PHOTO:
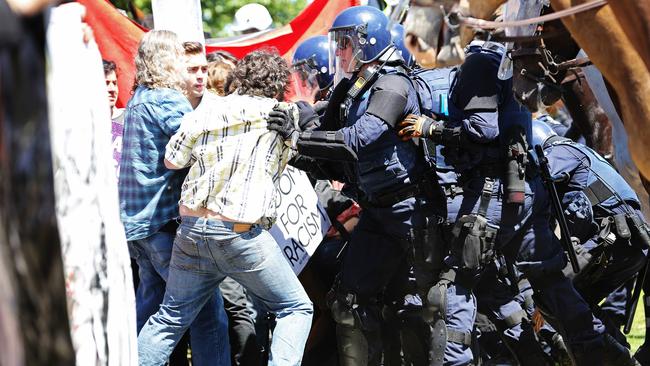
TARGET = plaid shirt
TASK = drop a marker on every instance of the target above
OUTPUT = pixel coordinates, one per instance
(235, 161)
(148, 191)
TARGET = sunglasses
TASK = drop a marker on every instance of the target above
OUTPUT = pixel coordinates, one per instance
(343, 42)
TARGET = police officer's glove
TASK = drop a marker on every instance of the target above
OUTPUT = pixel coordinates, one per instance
(281, 121)
(416, 126)
(307, 116)
(321, 106)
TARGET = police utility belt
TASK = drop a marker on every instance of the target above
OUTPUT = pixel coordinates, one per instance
(420, 189)
(615, 226)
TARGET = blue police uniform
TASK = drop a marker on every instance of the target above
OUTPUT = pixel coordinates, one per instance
(592, 195)
(483, 108)
(377, 248)
(495, 298)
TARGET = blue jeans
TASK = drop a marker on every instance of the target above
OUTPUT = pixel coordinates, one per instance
(206, 251)
(209, 334)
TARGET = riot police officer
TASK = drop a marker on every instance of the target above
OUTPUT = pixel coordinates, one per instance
(499, 206)
(372, 94)
(604, 215)
(310, 69)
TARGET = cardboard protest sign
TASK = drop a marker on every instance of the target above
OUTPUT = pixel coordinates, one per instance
(301, 221)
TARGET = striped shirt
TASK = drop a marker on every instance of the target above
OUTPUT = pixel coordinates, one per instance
(235, 162)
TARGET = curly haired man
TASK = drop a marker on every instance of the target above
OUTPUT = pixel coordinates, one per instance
(227, 201)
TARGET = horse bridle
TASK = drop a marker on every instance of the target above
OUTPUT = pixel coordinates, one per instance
(550, 68)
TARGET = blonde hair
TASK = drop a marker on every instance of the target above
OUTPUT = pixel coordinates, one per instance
(158, 62)
(218, 72)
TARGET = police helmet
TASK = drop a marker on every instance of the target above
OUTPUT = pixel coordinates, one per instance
(397, 34)
(541, 132)
(359, 35)
(311, 60)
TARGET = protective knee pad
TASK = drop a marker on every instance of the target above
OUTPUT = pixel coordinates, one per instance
(352, 346)
(437, 300)
(438, 342)
(436, 307)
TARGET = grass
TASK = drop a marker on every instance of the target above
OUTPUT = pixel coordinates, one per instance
(637, 334)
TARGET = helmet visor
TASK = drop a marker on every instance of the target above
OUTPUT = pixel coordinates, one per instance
(344, 53)
(305, 82)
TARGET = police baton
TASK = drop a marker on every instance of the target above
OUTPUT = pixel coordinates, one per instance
(642, 234)
(630, 307)
(549, 182)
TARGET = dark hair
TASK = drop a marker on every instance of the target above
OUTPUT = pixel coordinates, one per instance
(260, 73)
(221, 55)
(193, 48)
(109, 66)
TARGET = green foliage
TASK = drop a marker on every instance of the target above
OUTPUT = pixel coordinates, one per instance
(219, 13)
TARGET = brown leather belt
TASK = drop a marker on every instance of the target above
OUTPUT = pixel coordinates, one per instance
(239, 227)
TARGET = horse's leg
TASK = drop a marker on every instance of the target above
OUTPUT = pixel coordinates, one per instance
(589, 117)
(602, 37)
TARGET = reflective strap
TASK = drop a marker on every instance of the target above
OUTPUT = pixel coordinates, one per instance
(455, 336)
(647, 323)
(515, 318)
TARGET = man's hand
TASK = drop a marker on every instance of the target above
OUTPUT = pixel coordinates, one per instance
(416, 126)
(281, 121)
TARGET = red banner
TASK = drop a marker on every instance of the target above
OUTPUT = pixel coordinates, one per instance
(117, 36)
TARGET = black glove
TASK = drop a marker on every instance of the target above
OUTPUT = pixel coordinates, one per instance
(307, 117)
(321, 106)
(281, 121)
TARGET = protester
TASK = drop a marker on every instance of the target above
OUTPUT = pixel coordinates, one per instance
(117, 114)
(218, 72)
(243, 341)
(149, 192)
(227, 198)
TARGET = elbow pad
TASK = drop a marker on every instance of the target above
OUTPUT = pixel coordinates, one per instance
(389, 98)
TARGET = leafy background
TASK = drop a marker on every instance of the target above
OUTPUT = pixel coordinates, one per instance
(217, 14)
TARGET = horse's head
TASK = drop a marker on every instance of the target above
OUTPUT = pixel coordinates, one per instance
(429, 38)
(538, 69)
(433, 37)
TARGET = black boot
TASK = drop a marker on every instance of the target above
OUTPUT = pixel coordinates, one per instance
(605, 351)
(642, 355)
(616, 354)
(527, 348)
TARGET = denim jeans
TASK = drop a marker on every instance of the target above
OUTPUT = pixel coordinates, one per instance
(206, 251)
(209, 333)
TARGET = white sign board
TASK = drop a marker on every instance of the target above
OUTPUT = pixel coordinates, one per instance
(301, 221)
(182, 17)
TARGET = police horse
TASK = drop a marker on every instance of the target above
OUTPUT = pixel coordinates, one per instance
(618, 49)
